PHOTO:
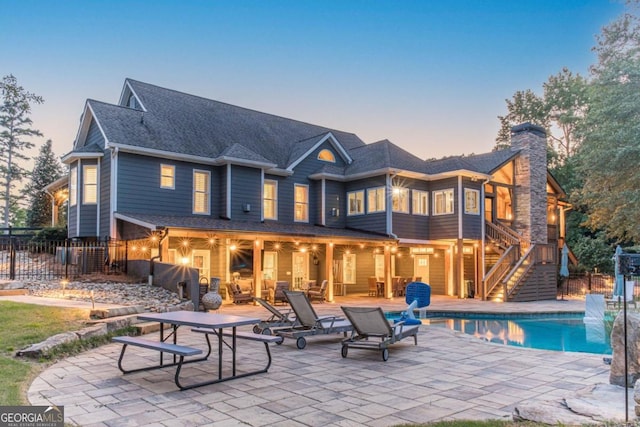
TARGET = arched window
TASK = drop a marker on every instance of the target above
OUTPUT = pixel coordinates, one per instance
(326, 156)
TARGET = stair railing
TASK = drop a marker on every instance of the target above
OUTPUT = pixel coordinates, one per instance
(501, 267)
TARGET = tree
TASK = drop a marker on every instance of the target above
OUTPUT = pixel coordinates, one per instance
(524, 106)
(47, 169)
(565, 96)
(609, 156)
(15, 132)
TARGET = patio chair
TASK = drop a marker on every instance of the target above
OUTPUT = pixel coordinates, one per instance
(373, 286)
(278, 319)
(308, 322)
(318, 292)
(372, 330)
(238, 296)
(278, 293)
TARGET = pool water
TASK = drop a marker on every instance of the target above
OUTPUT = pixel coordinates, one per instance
(560, 333)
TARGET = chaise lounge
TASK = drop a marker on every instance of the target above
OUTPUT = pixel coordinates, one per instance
(372, 330)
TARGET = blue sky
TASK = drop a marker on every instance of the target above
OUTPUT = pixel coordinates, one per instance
(430, 76)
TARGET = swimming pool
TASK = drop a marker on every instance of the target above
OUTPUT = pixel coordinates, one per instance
(558, 332)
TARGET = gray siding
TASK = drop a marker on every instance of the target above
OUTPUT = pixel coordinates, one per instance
(245, 189)
(411, 226)
(94, 136)
(72, 212)
(472, 224)
(88, 213)
(105, 192)
(334, 199)
(375, 222)
(444, 226)
(139, 186)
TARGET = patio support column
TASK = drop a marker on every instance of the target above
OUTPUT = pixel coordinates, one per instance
(328, 267)
(460, 269)
(257, 268)
(387, 272)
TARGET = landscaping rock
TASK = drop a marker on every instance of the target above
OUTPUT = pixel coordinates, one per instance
(597, 405)
(616, 375)
(11, 285)
(43, 348)
(92, 331)
(152, 298)
(116, 312)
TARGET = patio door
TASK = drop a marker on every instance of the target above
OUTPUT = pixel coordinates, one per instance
(421, 267)
(300, 261)
(270, 265)
(201, 260)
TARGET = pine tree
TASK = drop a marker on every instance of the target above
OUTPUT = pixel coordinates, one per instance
(47, 169)
(15, 131)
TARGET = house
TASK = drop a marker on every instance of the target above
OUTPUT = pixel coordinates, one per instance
(236, 192)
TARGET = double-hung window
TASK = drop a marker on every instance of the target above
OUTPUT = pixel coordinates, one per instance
(201, 191)
(301, 202)
(73, 186)
(168, 177)
(89, 185)
(375, 200)
(270, 199)
(443, 202)
(355, 202)
(420, 202)
(471, 201)
(400, 199)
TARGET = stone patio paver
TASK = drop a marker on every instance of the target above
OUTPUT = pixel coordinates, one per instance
(447, 376)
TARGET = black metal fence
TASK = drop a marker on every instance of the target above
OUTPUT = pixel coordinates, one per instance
(23, 258)
(590, 283)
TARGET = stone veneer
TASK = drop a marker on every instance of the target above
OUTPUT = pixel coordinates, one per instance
(530, 194)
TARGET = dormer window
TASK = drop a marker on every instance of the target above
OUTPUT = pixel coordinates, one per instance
(132, 102)
(327, 156)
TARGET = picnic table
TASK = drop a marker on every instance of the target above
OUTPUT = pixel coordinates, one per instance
(222, 326)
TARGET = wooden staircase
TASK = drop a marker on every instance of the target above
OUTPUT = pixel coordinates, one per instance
(524, 272)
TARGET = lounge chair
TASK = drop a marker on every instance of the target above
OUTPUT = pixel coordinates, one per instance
(278, 319)
(318, 292)
(372, 331)
(308, 322)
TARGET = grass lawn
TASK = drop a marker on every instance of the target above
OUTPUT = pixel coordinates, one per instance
(24, 324)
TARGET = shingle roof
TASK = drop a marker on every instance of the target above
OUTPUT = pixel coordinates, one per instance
(381, 155)
(188, 124)
(202, 223)
(482, 163)
(183, 123)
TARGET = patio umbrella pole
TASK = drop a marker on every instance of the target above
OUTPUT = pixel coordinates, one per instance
(626, 365)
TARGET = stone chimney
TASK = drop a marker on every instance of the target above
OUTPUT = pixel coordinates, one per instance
(530, 214)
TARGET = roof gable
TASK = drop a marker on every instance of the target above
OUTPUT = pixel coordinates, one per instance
(303, 149)
(181, 123)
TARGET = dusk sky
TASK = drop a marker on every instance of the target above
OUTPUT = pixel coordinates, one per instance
(430, 76)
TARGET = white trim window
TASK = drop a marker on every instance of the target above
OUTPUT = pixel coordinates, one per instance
(471, 201)
(270, 199)
(375, 199)
(327, 155)
(89, 184)
(301, 203)
(420, 202)
(73, 186)
(355, 202)
(400, 199)
(443, 202)
(201, 192)
(168, 177)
